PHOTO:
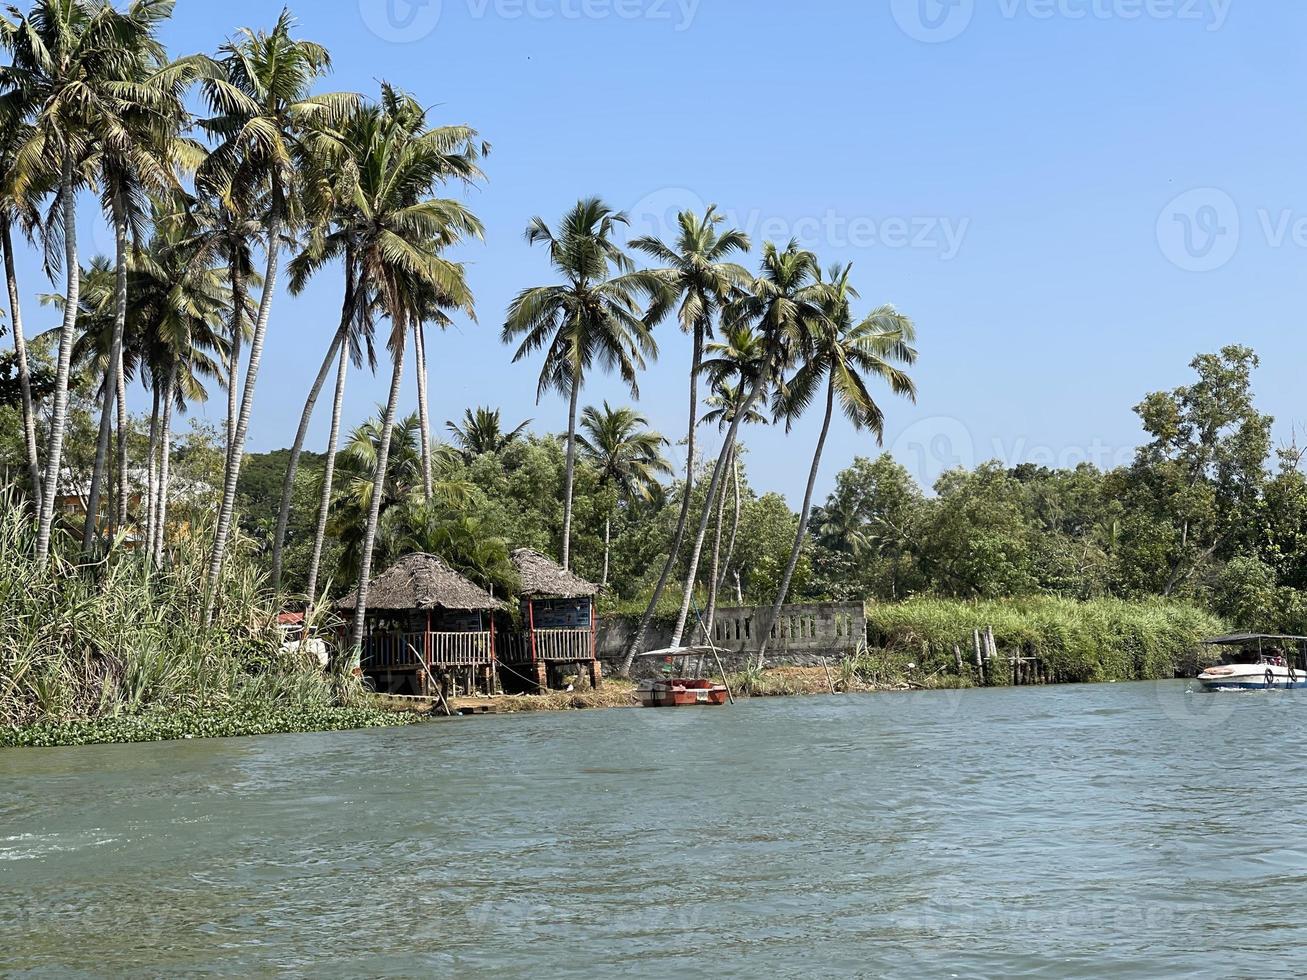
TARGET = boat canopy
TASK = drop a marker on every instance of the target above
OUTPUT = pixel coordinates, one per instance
(1247, 639)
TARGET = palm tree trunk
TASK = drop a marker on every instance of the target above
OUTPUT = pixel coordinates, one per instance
(735, 529)
(124, 482)
(682, 522)
(424, 419)
(228, 507)
(710, 615)
(152, 471)
(570, 473)
(234, 353)
(165, 459)
(24, 370)
(764, 636)
(110, 391)
(324, 506)
(59, 412)
(727, 448)
(297, 448)
(608, 540)
(378, 491)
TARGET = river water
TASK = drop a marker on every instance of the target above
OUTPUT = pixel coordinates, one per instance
(1122, 830)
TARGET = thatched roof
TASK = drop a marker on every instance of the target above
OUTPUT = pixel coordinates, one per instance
(542, 577)
(424, 582)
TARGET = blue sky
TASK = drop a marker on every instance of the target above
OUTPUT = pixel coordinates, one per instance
(1070, 197)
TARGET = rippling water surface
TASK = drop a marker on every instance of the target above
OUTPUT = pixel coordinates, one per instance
(1127, 830)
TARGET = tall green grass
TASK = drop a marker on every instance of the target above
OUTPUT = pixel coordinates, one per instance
(1079, 642)
(85, 642)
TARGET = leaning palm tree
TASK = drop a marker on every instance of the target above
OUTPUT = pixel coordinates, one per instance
(731, 366)
(71, 69)
(698, 277)
(482, 433)
(592, 315)
(780, 303)
(336, 225)
(402, 231)
(843, 356)
(628, 457)
(258, 92)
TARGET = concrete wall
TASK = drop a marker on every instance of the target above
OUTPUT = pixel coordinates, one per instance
(805, 632)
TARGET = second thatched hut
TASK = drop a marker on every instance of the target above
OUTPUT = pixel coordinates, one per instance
(558, 624)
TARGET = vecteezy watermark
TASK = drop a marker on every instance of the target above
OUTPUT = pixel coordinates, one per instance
(655, 215)
(936, 21)
(401, 21)
(1201, 230)
(1198, 231)
(931, 447)
(406, 21)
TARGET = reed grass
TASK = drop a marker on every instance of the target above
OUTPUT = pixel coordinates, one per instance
(1078, 642)
(82, 644)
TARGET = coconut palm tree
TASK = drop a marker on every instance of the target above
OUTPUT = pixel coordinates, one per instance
(179, 312)
(626, 454)
(450, 153)
(844, 356)
(731, 367)
(401, 232)
(482, 432)
(258, 90)
(593, 315)
(780, 303)
(697, 276)
(216, 232)
(139, 152)
(23, 214)
(73, 61)
(401, 492)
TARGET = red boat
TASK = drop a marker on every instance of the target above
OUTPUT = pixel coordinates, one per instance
(679, 692)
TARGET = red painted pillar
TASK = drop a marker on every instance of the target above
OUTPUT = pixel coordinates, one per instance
(531, 626)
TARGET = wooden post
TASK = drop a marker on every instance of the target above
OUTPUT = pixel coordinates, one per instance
(825, 662)
(531, 626)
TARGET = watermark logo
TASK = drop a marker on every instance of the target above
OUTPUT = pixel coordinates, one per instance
(656, 215)
(406, 21)
(933, 21)
(401, 21)
(936, 21)
(931, 447)
(1199, 230)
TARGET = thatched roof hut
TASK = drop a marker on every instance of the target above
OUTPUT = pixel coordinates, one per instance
(419, 582)
(542, 577)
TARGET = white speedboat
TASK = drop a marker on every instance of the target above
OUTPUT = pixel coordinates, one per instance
(1252, 677)
(1258, 663)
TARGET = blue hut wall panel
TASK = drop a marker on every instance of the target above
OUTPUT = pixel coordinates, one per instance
(562, 614)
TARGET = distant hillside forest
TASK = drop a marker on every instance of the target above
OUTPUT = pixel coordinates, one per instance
(1209, 511)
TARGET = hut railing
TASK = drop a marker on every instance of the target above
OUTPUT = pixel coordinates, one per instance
(564, 646)
(400, 650)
